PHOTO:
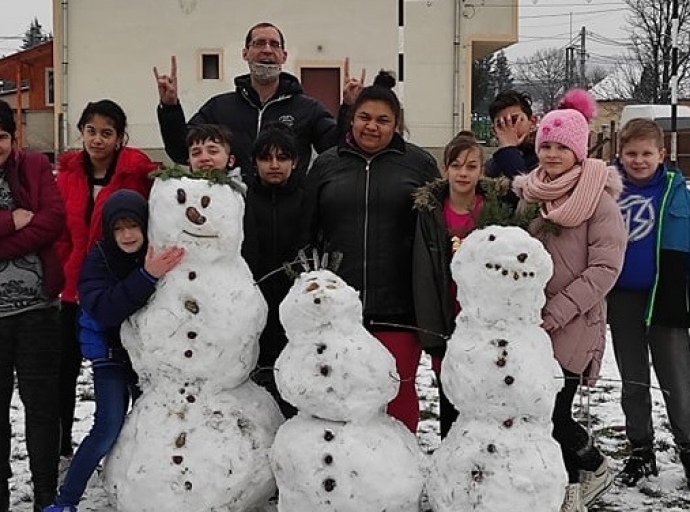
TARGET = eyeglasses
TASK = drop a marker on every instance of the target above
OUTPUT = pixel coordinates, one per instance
(261, 43)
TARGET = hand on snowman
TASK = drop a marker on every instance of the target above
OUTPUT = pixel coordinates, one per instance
(163, 262)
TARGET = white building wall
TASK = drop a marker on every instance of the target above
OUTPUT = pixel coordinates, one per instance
(112, 45)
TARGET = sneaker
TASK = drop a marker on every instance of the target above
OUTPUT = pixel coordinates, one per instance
(595, 483)
(640, 464)
(60, 508)
(573, 499)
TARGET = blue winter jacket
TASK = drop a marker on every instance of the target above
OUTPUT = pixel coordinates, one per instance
(668, 298)
(113, 284)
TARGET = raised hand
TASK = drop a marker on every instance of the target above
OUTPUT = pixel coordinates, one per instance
(506, 130)
(160, 264)
(167, 84)
(21, 218)
(352, 86)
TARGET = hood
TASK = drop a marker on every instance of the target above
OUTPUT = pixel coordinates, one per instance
(124, 204)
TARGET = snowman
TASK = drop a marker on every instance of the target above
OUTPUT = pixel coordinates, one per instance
(199, 436)
(500, 373)
(342, 452)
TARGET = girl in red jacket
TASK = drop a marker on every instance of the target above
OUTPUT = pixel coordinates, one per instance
(86, 178)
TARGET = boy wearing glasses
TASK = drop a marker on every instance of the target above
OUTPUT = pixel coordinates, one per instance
(265, 94)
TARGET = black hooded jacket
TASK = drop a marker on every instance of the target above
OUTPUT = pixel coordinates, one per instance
(113, 284)
(242, 112)
(272, 221)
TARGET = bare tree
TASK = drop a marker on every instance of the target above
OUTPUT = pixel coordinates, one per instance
(649, 23)
(543, 75)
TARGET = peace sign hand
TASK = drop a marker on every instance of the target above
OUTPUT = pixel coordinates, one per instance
(351, 86)
(167, 84)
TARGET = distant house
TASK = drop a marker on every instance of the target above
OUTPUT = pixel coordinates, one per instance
(27, 78)
(108, 51)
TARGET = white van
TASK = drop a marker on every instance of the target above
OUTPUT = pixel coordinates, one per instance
(659, 113)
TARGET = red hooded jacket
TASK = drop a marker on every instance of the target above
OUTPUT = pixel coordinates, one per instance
(131, 172)
(30, 177)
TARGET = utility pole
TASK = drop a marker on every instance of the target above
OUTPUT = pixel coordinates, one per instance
(674, 84)
(583, 55)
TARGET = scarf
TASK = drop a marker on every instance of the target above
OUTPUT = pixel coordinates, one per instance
(571, 198)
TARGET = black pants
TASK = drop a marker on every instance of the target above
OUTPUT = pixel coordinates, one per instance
(69, 372)
(578, 452)
(30, 346)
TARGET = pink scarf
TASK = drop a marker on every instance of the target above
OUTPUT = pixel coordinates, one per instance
(571, 198)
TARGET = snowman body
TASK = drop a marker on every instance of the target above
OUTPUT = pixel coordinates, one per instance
(199, 437)
(341, 452)
(500, 373)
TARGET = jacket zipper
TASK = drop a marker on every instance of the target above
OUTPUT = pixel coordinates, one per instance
(662, 212)
(366, 235)
(263, 109)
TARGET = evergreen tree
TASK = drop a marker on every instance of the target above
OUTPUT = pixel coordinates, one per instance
(503, 77)
(34, 35)
(483, 84)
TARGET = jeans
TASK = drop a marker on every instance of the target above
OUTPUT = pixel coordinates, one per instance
(113, 387)
(30, 346)
(670, 355)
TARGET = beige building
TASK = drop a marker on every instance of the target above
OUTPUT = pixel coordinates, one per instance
(107, 48)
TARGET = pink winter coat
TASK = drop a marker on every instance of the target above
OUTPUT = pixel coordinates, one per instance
(587, 260)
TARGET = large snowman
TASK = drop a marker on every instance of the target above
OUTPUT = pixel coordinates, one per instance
(342, 452)
(199, 437)
(500, 373)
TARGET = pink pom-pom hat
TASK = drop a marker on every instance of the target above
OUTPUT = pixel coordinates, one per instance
(569, 123)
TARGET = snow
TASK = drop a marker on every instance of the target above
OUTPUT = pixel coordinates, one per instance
(341, 453)
(663, 494)
(500, 373)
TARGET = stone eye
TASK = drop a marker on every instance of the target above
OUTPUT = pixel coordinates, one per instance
(181, 196)
(205, 201)
(492, 238)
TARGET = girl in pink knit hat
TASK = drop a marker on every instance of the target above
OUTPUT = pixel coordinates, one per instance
(581, 227)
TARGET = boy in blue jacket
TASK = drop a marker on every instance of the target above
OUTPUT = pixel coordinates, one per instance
(117, 278)
(648, 307)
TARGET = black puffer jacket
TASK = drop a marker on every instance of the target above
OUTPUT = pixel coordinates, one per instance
(431, 279)
(272, 220)
(362, 207)
(241, 111)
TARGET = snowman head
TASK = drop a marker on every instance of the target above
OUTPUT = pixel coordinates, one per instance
(204, 218)
(319, 298)
(501, 273)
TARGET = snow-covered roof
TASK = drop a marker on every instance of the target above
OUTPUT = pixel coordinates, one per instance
(619, 84)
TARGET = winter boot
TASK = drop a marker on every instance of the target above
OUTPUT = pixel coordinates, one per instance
(640, 464)
(573, 499)
(595, 483)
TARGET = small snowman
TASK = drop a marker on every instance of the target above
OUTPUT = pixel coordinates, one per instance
(500, 373)
(342, 452)
(199, 437)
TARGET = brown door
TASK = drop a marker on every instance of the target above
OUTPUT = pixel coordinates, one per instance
(323, 84)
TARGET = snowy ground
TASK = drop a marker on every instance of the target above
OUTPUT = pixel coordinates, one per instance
(666, 493)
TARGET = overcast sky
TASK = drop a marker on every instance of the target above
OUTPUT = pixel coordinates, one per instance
(543, 24)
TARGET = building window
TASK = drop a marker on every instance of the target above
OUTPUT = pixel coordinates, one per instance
(210, 66)
(49, 87)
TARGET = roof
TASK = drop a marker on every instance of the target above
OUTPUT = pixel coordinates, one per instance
(619, 85)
